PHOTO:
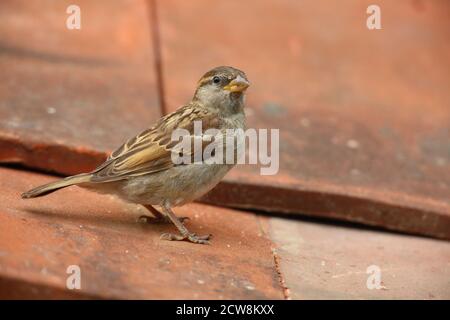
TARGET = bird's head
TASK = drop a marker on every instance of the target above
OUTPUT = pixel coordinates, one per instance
(223, 88)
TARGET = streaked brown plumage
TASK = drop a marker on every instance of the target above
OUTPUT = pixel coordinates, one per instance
(142, 171)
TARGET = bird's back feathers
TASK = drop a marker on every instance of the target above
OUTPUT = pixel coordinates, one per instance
(151, 151)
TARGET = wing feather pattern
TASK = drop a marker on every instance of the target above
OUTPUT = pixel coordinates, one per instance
(150, 151)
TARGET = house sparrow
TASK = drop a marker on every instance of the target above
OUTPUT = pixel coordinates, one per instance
(142, 171)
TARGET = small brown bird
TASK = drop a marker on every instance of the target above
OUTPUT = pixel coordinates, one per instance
(142, 170)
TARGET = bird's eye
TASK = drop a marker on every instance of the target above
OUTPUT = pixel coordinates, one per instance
(216, 79)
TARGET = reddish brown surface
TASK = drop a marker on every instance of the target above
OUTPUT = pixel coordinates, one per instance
(389, 210)
(364, 120)
(319, 261)
(120, 257)
(67, 96)
(364, 116)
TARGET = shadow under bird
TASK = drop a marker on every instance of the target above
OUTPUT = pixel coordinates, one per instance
(142, 171)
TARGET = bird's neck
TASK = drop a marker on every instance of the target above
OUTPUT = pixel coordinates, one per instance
(233, 104)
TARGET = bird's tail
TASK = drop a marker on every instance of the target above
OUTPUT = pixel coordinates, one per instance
(56, 185)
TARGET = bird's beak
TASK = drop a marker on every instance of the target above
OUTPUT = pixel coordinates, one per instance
(239, 84)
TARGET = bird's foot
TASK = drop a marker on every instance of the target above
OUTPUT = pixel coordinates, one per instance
(156, 220)
(191, 237)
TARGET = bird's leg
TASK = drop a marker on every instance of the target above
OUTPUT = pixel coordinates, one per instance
(156, 213)
(184, 233)
(158, 216)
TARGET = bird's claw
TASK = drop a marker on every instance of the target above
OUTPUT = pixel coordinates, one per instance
(191, 237)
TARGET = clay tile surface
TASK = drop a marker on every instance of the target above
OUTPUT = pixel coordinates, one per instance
(120, 257)
(364, 116)
(325, 261)
(69, 96)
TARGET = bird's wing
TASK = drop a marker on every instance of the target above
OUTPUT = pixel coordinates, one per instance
(151, 150)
